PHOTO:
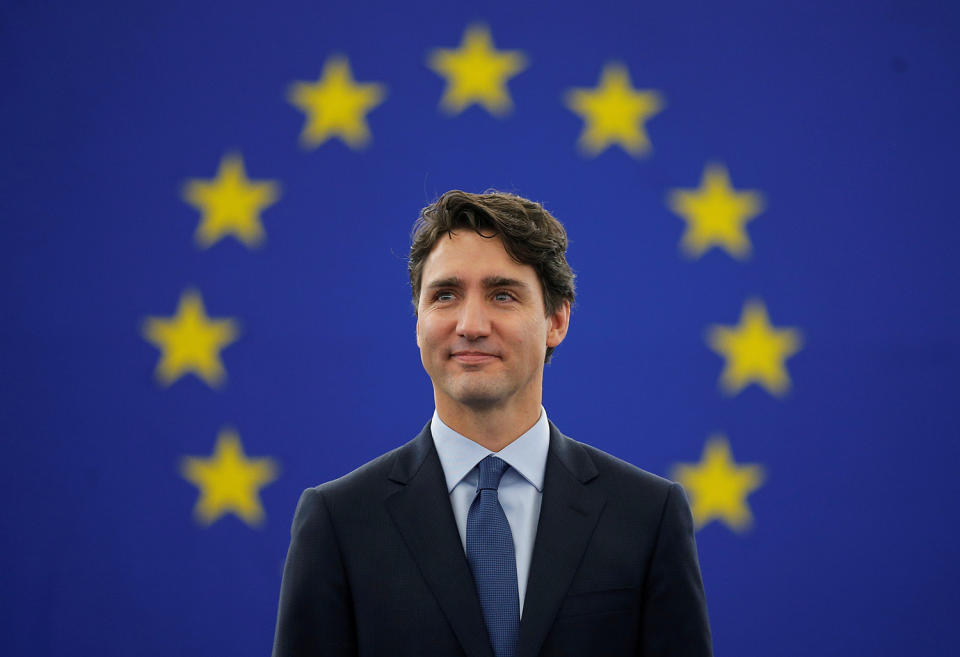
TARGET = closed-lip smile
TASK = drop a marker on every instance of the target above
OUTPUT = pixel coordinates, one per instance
(472, 356)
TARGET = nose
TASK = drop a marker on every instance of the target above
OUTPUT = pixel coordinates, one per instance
(473, 322)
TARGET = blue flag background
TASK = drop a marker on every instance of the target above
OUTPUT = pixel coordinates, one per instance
(147, 505)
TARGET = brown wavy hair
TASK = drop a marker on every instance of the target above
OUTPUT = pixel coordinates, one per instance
(530, 235)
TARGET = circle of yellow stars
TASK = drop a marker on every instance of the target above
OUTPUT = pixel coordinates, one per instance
(614, 114)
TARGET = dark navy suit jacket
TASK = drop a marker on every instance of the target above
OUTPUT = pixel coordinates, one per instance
(376, 565)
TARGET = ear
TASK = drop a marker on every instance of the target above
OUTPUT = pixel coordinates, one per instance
(418, 330)
(557, 324)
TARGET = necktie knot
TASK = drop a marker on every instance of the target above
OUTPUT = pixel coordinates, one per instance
(491, 471)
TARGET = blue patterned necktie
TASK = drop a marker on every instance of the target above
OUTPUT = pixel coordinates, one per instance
(491, 556)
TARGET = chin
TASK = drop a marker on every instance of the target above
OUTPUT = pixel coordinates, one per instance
(479, 397)
(480, 403)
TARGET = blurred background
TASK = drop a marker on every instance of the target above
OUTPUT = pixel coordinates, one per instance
(206, 211)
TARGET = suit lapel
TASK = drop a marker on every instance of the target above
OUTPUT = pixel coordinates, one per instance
(568, 514)
(421, 510)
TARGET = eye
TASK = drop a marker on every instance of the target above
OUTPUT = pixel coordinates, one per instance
(443, 295)
(504, 296)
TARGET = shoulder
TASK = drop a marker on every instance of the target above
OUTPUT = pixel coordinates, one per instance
(622, 483)
(621, 470)
(586, 462)
(370, 473)
(626, 476)
(378, 476)
(632, 497)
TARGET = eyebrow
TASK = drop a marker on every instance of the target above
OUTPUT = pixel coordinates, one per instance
(488, 282)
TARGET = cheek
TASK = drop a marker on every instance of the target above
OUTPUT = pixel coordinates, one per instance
(531, 336)
(431, 333)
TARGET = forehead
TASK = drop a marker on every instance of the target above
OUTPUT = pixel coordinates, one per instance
(466, 254)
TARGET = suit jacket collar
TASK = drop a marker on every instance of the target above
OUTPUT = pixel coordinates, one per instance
(568, 514)
(410, 457)
(421, 511)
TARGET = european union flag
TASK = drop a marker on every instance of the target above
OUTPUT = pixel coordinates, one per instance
(206, 212)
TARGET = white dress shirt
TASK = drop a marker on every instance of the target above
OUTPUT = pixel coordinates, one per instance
(521, 489)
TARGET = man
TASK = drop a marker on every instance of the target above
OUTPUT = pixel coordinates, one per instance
(491, 534)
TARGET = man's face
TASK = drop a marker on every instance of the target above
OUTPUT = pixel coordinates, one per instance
(481, 327)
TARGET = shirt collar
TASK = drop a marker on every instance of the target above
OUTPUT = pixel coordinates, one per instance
(459, 455)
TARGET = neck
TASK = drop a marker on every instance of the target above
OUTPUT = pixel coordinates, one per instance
(492, 427)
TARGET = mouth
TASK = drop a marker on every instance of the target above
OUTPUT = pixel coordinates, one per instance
(472, 357)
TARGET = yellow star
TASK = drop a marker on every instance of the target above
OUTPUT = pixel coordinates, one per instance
(614, 112)
(229, 482)
(755, 351)
(190, 341)
(230, 203)
(336, 105)
(715, 214)
(718, 487)
(476, 72)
